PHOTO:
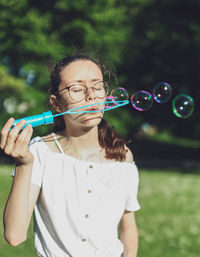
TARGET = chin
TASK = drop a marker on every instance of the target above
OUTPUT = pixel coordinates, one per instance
(92, 121)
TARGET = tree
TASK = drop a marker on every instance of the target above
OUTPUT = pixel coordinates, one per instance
(35, 34)
(164, 45)
(147, 41)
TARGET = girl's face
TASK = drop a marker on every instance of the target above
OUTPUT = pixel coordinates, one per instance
(75, 75)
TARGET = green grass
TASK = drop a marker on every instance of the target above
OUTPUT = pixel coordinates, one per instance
(168, 222)
(167, 138)
(26, 249)
(169, 219)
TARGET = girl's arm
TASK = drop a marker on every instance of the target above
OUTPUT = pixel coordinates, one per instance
(129, 234)
(23, 195)
(127, 226)
(19, 206)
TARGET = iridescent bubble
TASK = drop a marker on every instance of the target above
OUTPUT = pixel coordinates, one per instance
(162, 92)
(183, 106)
(119, 94)
(141, 100)
(110, 102)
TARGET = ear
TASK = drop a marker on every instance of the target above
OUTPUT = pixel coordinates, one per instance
(55, 103)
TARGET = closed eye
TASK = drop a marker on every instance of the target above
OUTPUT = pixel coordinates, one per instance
(77, 88)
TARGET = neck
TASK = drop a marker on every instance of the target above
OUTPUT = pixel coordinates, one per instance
(86, 138)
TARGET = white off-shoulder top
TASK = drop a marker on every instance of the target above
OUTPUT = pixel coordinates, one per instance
(80, 203)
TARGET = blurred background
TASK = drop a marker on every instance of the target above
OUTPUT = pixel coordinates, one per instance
(143, 42)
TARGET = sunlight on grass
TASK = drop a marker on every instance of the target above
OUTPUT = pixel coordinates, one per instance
(165, 137)
(168, 222)
(169, 219)
(27, 248)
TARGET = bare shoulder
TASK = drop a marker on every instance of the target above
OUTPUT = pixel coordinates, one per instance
(48, 138)
(52, 141)
(129, 155)
(49, 141)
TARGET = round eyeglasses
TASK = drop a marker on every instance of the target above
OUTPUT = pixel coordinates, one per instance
(78, 91)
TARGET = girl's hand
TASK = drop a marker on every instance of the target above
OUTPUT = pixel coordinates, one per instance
(15, 143)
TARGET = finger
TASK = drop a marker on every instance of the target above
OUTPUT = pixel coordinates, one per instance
(22, 141)
(18, 127)
(4, 132)
(25, 135)
(13, 134)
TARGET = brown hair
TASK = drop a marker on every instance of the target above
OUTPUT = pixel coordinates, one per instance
(109, 140)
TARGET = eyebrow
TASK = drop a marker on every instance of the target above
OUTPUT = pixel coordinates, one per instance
(81, 81)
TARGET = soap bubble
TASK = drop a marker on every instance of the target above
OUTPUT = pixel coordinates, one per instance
(142, 100)
(120, 94)
(183, 106)
(110, 102)
(162, 92)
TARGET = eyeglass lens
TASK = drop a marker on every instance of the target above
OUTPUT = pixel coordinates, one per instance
(78, 92)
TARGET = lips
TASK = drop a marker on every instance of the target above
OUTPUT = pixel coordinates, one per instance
(93, 108)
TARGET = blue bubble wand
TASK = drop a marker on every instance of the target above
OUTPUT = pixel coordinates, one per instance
(46, 118)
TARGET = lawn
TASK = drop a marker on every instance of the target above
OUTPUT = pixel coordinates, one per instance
(168, 222)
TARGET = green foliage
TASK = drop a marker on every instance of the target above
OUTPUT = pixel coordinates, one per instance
(164, 46)
(17, 98)
(36, 35)
(9, 83)
(146, 41)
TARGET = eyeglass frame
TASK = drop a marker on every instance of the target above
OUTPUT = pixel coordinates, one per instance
(68, 88)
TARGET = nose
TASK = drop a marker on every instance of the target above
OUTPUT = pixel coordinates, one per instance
(90, 94)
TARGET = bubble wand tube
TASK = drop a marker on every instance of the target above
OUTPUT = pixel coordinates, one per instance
(46, 118)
